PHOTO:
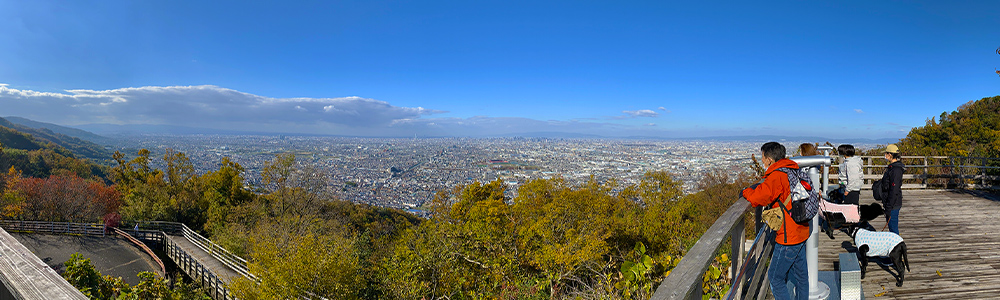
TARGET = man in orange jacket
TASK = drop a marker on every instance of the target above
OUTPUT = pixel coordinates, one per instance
(788, 262)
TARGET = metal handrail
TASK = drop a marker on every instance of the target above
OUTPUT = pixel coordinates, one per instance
(750, 277)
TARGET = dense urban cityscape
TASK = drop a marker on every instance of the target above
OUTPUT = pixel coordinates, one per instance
(406, 173)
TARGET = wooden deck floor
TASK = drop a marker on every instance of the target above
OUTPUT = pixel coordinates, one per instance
(953, 240)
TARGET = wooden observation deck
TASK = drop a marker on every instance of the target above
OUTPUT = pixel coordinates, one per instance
(953, 243)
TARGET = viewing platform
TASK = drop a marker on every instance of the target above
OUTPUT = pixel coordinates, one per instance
(949, 224)
(953, 243)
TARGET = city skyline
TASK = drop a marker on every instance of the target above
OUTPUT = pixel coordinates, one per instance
(662, 70)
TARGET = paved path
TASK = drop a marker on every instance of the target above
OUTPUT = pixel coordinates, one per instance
(113, 256)
(954, 233)
(213, 264)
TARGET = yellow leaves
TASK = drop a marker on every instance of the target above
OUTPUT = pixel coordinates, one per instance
(939, 273)
(883, 291)
(289, 266)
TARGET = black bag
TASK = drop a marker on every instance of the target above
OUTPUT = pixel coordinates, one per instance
(879, 191)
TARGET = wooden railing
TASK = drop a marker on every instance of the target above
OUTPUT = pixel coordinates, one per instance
(154, 232)
(92, 229)
(215, 286)
(950, 172)
(231, 260)
(749, 282)
(685, 280)
(141, 245)
(24, 276)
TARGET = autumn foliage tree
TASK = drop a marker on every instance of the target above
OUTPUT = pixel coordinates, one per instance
(60, 198)
(971, 130)
(553, 240)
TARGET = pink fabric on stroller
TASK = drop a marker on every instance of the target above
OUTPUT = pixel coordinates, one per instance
(849, 211)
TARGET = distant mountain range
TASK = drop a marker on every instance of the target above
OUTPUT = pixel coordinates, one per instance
(25, 137)
(73, 132)
(94, 132)
(114, 129)
(111, 129)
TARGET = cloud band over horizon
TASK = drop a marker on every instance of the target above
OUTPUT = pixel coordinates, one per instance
(213, 107)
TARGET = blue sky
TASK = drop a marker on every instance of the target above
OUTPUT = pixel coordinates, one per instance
(867, 69)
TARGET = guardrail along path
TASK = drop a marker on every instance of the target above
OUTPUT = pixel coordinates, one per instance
(225, 273)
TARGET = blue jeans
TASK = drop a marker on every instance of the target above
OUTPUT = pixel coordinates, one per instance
(893, 217)
(789, 263)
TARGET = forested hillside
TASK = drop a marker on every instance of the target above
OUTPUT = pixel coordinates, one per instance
(77, 147)
(73, 132)
(972, 130)
(601, 240)
(38, 158)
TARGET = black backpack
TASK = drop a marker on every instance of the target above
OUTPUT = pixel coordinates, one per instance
(880, 190)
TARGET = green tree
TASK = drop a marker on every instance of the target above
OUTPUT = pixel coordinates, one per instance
(301, 267)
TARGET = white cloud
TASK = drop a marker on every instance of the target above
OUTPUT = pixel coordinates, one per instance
(662, 108)
(858, 110)
(649, 124)
(642, 113)
(206, 105)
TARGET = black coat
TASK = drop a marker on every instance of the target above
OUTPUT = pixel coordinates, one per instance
(893, 180)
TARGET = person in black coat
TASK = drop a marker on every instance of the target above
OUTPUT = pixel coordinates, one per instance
(892, 182)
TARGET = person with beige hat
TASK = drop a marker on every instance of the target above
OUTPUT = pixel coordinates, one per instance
(892, 182)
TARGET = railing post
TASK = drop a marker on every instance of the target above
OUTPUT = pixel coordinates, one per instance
(924, 181)
(868, 169)
(758, 224)
(982, 172)
(738, 240)
(951, 172)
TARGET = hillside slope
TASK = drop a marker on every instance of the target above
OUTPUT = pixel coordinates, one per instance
(972, 130)
(40, 159)
(77, 146)
(73, 132)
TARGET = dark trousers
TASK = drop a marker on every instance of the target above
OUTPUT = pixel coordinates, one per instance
(853, 197)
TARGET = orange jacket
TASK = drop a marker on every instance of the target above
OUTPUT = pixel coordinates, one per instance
(775, 186)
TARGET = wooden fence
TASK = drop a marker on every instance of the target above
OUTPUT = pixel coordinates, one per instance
(944, 172)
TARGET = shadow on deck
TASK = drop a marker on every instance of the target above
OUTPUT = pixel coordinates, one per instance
(953, 241)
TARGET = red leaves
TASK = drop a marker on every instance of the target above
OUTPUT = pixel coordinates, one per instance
(65, 198)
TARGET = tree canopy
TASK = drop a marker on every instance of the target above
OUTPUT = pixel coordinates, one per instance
(971, 130)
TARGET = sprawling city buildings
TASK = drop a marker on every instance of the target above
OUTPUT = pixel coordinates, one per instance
(406, 173)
